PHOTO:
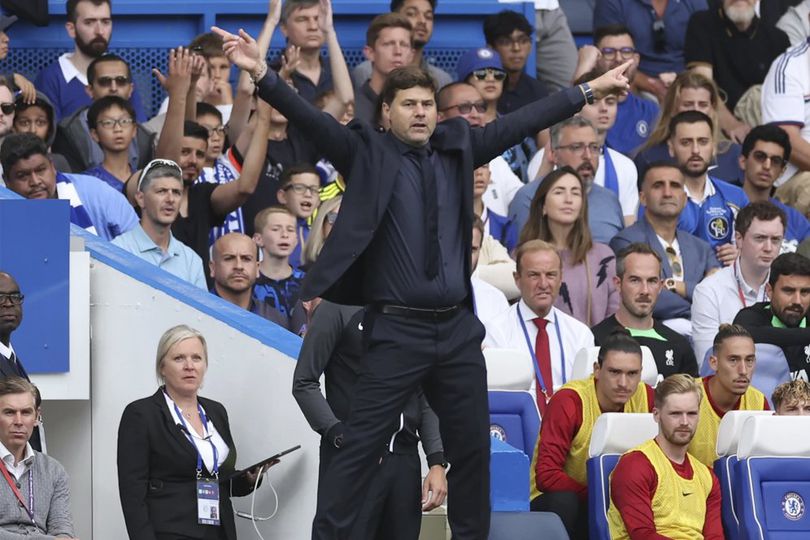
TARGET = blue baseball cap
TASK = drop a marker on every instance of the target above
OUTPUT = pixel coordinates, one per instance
(475, 59)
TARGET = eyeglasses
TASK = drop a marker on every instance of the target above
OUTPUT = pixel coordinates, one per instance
(219, 130)
(8, 108)
(106, 82)
(331, 218)
(300, 189)
(625, 52)
(506, 41)
(26, 123)
(760, 157)
(497, 74)
(674, 262)
(154, 164)
(578, 148)
(466, 108)
(15, 298)
(112, 123)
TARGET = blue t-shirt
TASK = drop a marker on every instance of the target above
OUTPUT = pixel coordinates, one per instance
(103, 174)
(281, 294)
(501, 229)
(798, 228)
(713, 219)
(635, 120)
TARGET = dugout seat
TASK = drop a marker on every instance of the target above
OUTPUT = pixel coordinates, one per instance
(514, 418)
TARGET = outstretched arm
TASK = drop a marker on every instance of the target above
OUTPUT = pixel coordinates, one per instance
(341, 80)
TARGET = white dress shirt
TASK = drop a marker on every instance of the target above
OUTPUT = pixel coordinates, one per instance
(715, 301)
(6, 352)
(201, 439)
(18, 470)
(488, 300)
(506, 332)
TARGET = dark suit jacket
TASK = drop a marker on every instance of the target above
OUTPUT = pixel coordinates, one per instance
(7, 370)
(698, 258)
(157, 471)
(369, 161)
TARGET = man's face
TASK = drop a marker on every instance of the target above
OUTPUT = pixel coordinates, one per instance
(695, 99)
(6, 120)
(412, 115)
(18, 417)
(692, 146)
(234, 265)
(734, 364)
(32, 120)
(160, 202)
(111, 79)
(575, 151)
(92, 29)
(539, 280)
(790, 298)
(740, 11)
(216, 135)
(302, 28)
(482, 177)
(32, 178)
(300, 196)
(420, 15)
(476, 248)
(610, 60)
(764, 164)
(678, 417)
(278, 237)
(111, 133)
(641, 284)
(761, 243)
(4, 41)
(10, 313)
(514, 49)
(391, 50)
(464, 100)
(602, 114)
(192, 158)
(618, 378)
(662, 192)
(794, 408)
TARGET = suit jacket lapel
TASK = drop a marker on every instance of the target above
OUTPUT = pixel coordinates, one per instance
(655, 243)
(174, 429)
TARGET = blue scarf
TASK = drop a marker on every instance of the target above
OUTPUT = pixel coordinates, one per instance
(611, 179)
(65, 190)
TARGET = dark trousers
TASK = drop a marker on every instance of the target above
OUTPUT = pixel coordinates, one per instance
(392, 508)
(572, 511)
(445, 357)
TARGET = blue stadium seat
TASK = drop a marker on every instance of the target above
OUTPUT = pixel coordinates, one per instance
(526, 526)
(514, 419)
(599, 469)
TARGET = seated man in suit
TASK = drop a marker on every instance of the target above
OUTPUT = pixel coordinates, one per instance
(686, 259)
(792, 398)
(638, 271)
(558, 477)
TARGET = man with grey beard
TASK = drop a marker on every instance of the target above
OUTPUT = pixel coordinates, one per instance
(734, 47)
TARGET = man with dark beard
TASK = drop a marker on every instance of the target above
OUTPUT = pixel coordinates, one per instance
(89, 24)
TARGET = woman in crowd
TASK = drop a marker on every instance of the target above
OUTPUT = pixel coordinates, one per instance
(692, 92)
(558, 215)
(174, 443)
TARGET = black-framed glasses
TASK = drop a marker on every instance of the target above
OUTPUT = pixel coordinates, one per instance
(106, 82)
(154, 164)
(579, 147)
(219, 130)
(112, 123)
(8, 108)
(15, 298)
(497, 74)
(467, 107)
(300, 189)
(625, 52)
(760, 157)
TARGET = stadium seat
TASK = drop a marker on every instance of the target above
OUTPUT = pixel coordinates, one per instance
(728, 436)
(585, 358)
(526, 526)
(508, 369)
(613, 434)
(773, 472)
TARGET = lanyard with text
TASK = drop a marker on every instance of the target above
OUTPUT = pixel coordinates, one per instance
(550, 391)
(29, 508)
(204, 420)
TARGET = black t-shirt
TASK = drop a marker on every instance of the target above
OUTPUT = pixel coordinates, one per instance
(671, 351)
(527, 90)
(739, 60)
(794, 342)
(194, 230)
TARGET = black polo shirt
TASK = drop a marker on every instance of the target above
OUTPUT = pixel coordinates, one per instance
(306, 88)
(739, 60)
(194, 229)
(527, 90)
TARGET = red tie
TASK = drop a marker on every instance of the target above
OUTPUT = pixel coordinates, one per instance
(543, 356)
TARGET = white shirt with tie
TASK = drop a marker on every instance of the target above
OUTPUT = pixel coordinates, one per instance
(506, 332)
(6, 352)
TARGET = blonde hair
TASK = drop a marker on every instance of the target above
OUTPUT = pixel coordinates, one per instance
(680, 383)
(791, 392)
(172, 337)
(316, 239)
(260, 221)
(533, 246)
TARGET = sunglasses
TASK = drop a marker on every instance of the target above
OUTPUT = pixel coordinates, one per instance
(466, 108)
(8, 108)
(497, 74)
(760, 157)
(106, 82)
(154, 164)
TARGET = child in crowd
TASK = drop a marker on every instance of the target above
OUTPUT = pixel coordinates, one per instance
(209, 45)
(298, 192)
(276, 235)
(111, 120)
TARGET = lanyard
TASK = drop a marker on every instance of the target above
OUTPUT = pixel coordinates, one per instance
(739, 287)
(207, 436)
(29, 509)
(534, 358)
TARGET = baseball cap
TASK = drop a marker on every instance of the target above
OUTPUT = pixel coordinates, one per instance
(6, 21)
(474, 59)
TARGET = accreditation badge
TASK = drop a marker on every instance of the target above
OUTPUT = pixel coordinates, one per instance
(208, 502)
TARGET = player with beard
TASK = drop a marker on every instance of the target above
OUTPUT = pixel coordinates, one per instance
(711, 204)
(729, 389)
(89, 24)
(658, 489)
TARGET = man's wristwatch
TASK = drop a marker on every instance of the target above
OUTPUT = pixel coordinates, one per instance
(588, 93)
(670, 284)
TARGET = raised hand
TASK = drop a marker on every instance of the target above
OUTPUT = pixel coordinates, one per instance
(241, 49)
(274, 11)
(612, 82)
(27, 89)
(290, 61)
(325, 20)
(178, 80)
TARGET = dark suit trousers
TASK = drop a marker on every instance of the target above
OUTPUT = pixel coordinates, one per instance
(445, 357)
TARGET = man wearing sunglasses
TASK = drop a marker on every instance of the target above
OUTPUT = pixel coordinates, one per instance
(765, 152)
(7, 108)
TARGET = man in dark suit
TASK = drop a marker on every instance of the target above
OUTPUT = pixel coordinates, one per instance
(11, 313)
(686, 259)
(401, 247)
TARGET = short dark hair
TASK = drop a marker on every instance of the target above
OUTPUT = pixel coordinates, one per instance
(193, 129)
(109, 57)
(403, 78)
(42, 103)
(208, 45)
(18, 385)
(503, 24)
(728, 331)
(618, 341)
(293, 170)
(396, 5)
(386, 20)
(102, 105)
(70, 7)
(767, 133)
(206, 109)
(761, 210)
(18, 146)
(292, 5)
(658, 164)
(443, 95)
(594, 73)
(610, 30)
(634, 248)
(789, 264)
(689, 117)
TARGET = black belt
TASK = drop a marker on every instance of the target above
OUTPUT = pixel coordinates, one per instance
(435, 314)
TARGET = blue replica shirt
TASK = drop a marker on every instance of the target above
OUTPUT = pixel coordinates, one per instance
(103, 174)
(280, 294)
(798, 228)
(713, 219)
(109, 211)
(302, 231)
(635, 120)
